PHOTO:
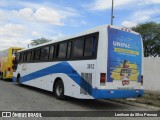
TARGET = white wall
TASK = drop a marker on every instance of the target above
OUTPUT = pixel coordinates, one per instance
(151, 72)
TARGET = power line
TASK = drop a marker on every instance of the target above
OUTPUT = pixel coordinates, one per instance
(21, 44)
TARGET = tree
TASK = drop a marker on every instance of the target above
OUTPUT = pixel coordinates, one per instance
(150, 33)
(39, 41)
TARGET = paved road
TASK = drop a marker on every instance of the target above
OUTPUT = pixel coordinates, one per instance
(24, 98)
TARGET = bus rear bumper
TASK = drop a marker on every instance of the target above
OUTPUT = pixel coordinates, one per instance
(110, 94)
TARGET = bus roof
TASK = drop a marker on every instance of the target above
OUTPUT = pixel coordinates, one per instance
(89, 31)
(12, 48)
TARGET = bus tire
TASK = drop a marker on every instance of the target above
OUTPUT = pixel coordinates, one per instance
(59, 90)
(19, 80)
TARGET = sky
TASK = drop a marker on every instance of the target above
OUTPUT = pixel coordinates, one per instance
(24, 20)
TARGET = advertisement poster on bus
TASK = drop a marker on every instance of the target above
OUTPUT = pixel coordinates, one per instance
(124, 56)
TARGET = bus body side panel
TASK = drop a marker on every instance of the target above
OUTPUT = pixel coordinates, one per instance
(5, 63)
(101, 56)
(77, 76)
(8, 70)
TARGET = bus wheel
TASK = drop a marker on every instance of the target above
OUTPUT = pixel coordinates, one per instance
(59, 90)
(19, 79)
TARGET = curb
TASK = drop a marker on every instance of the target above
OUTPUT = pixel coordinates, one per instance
(137, 104)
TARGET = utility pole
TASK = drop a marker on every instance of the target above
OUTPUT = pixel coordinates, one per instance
(112, 16)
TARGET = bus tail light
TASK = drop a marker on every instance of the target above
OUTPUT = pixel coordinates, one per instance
(103, 78)
(141, 80)
(9, 69)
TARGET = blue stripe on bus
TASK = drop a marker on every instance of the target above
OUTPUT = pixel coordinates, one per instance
(115, 93)
(63, 67)
(66, 68)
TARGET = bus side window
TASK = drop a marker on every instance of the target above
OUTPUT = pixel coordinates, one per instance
(28, 56)
(78, 48)
(17, 56)
(20, 57)
(69, 50)
(37, 54)
(51, 53)
(44, 53)
(24, 56)
(32, 55)
(89, 46)
(61, 50)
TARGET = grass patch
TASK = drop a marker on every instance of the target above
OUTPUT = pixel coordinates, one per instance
(149, 98)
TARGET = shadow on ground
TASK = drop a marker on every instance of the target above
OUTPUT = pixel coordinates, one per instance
(100, 104)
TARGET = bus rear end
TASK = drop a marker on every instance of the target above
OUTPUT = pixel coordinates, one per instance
(122, 77)
(8, 62)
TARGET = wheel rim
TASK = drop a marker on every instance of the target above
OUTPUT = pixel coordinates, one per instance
(59, 90)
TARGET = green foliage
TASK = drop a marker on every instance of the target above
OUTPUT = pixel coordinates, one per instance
(150, 33)
(39, 41)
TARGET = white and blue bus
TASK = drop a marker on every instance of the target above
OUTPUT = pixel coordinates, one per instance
(104, 62)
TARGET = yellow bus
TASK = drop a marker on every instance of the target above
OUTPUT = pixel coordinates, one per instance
(6, 62)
